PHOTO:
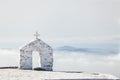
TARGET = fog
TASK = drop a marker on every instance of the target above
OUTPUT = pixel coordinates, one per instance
(71, 61)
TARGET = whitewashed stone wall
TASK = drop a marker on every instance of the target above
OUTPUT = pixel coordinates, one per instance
(45, 51)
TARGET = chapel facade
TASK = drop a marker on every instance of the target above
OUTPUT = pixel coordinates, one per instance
(45, 54)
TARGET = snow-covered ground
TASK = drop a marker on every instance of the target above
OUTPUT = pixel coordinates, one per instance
(16, 74)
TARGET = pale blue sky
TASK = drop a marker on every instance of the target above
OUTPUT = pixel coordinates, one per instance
(67, 21)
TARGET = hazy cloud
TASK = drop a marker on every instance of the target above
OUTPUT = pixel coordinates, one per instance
(87, 62)
(71, 61)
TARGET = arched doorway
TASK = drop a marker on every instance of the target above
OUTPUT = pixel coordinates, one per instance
(36, 60)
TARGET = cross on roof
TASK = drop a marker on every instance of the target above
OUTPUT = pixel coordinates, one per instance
(36, 35)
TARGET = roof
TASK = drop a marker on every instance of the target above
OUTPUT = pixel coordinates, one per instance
(36, 44)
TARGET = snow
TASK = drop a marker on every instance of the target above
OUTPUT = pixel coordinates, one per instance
(16, 74)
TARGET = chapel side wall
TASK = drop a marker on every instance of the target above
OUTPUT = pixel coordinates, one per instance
(47, 59)
(25, 60)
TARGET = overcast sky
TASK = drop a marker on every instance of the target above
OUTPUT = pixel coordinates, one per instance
(60, 20)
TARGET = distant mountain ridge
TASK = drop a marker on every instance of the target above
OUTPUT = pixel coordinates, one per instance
(70, 48)
(87, 50)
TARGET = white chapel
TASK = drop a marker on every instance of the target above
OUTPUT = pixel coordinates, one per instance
(45, 54)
